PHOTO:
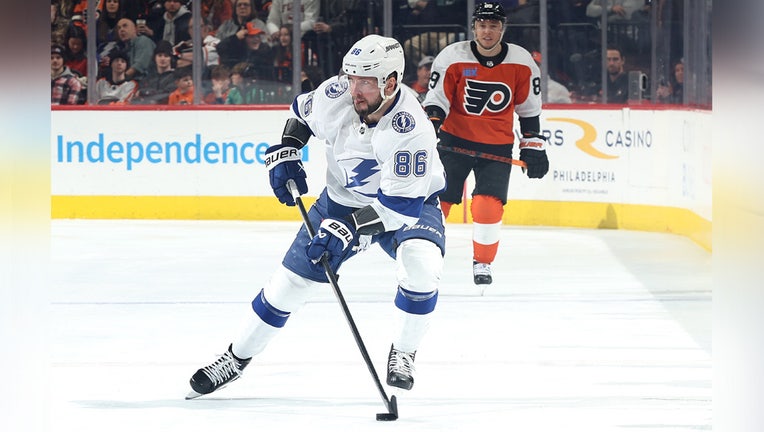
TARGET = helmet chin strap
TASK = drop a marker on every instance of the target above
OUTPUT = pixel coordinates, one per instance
(385, 98)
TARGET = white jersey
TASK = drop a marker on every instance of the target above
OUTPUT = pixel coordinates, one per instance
(392, 165)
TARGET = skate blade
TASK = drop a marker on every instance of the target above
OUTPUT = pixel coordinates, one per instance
(192, 395)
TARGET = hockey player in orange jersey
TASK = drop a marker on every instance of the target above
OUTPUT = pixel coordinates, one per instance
(475, 89)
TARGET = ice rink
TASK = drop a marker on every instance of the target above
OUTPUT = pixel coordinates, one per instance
(582, 330)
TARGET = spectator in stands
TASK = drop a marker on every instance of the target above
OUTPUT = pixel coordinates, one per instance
(184, 87)
(281, 13)
(556, 93)
(247, 46)
(106, 24)
(185, 52)
(159, 82)
(619, 10)
(140, 49)
(76, 58)
(58, 23)
(243, 90)
(221, 85)
(65, 88)
(216, 12)
(116, 88)
(673, 91)
(283, 65)
(244, 12)
(282, 56)
(79, 16)
(618, 80)
(173, 25)
(422, 77)
(111, 12)
(64, 7)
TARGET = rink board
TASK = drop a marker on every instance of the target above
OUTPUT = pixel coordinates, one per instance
(626, 168)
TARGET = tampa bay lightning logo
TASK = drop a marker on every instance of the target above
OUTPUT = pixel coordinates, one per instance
(307, 108)
(361, 176)
(336, 89)
(403, 122)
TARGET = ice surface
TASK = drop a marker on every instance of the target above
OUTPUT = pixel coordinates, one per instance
(582, 330)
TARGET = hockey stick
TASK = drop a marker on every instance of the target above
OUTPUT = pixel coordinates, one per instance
(390, 403)
(483, 155)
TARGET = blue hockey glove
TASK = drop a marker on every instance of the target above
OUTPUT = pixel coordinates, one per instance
(533, 153)
(284, 163)
(333, 237)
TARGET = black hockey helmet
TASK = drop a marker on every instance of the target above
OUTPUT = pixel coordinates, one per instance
(489, 11)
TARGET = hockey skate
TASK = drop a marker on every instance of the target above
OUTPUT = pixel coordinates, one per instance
(481, 273)
(400, 369)
(215, 376)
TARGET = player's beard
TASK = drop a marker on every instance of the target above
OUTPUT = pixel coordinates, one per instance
(370, 107)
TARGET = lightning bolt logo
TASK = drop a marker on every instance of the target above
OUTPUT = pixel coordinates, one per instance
(365, 169)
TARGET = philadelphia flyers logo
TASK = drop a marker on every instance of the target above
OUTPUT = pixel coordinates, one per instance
(480, 96)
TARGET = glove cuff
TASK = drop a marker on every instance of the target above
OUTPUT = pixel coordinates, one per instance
(339, 229)
(281, 153)
(532, 144)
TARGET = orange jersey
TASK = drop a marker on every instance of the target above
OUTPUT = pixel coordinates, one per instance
(178, 98)
(480, 99)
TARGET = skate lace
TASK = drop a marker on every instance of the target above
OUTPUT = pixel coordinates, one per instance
(223, 369)
(481, 269)
(401, 362)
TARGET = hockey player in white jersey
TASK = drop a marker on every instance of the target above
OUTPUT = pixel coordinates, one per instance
(476, 88)
(383, 179)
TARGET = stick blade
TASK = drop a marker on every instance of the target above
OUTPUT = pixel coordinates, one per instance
(386, 417)
(393, 414)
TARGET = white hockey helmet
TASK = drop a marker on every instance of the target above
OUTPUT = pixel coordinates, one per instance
(375, 56)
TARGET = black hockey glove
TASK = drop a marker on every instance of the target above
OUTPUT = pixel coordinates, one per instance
(436, 116)
(533, 153)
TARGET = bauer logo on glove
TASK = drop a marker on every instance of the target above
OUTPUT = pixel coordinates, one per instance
(533, 153)
(282, 155)
(333, 238)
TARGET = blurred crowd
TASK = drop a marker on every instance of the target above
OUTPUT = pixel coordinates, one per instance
(144, 50)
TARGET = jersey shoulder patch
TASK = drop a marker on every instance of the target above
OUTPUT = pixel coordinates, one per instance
(336, 89)
(307, 106)
(403, 122)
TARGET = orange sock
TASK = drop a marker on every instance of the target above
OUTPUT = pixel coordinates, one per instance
(487, 212)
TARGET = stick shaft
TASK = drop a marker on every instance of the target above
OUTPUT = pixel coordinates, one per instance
(483, 155)
(346, 311)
